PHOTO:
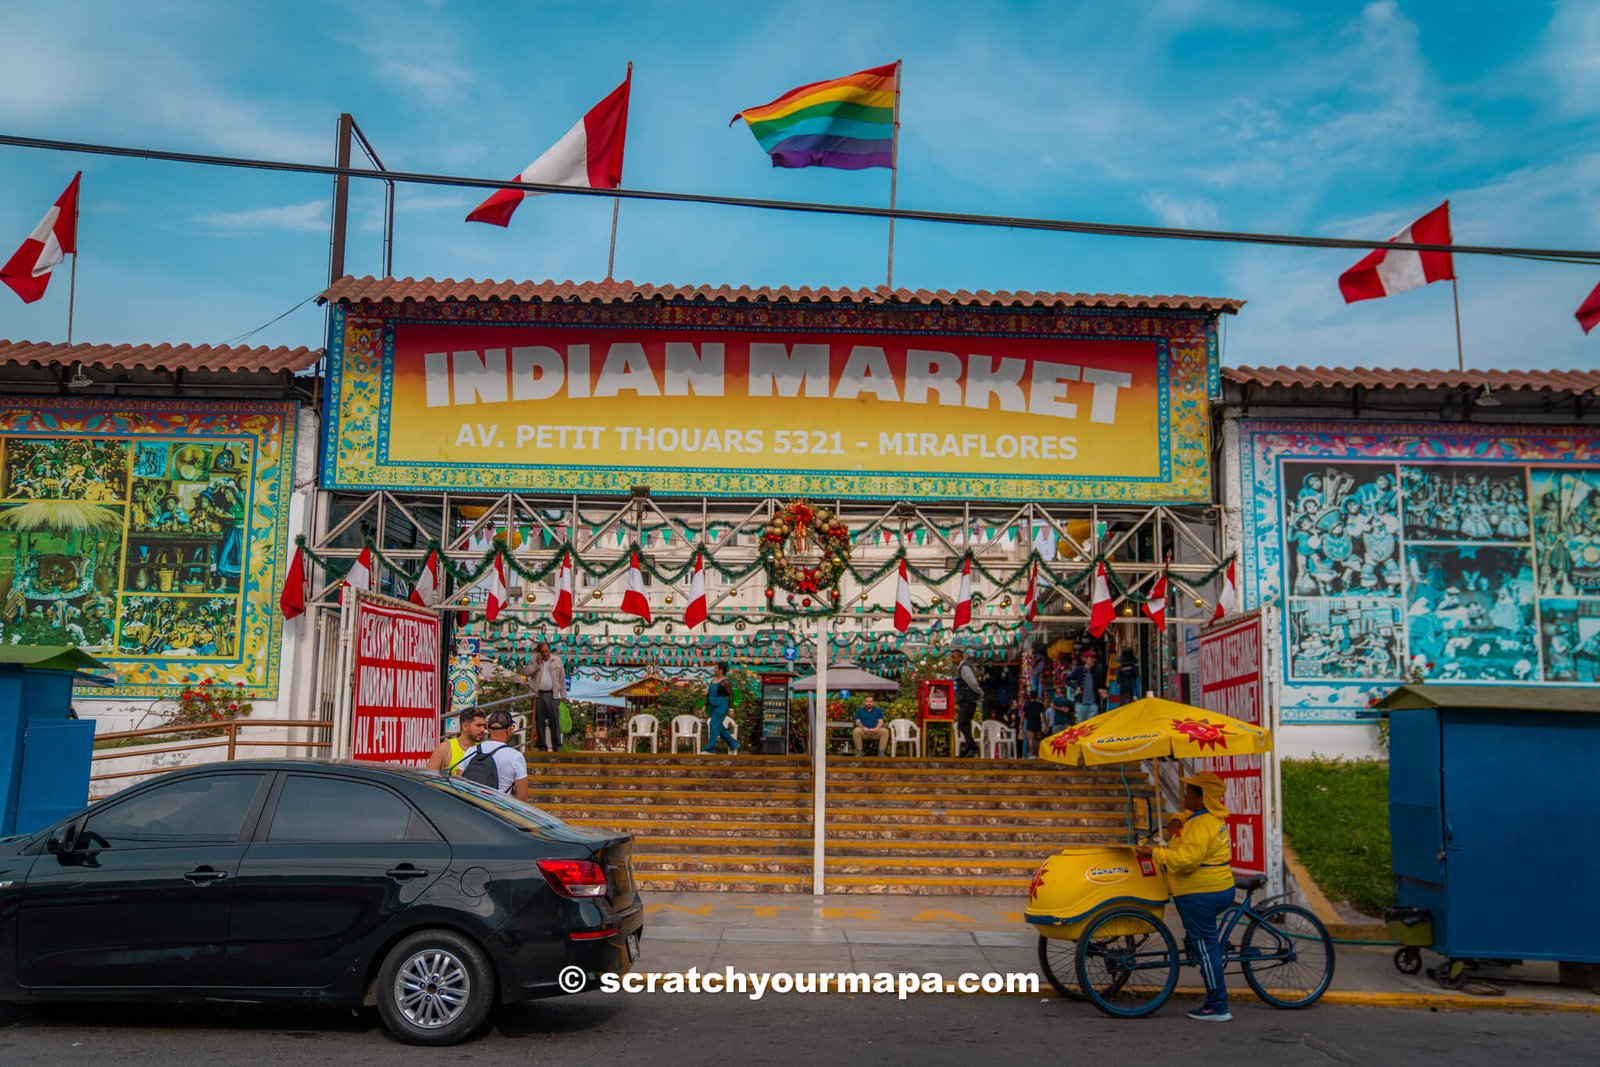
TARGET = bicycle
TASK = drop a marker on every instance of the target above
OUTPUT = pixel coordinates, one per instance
(1127, 960)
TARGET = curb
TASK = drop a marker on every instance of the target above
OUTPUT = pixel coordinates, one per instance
(1323, 908)
(1353, 998)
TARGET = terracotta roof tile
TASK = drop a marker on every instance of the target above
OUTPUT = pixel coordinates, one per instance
(370, 289)
(161, 357)
(1394, 378)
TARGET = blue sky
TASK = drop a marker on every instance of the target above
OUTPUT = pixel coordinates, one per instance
(1338, 119)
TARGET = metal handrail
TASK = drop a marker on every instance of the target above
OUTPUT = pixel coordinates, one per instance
(231, 742)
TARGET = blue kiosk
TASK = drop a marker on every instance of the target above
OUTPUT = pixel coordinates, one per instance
(44, 751)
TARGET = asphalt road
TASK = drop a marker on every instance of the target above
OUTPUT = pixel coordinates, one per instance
(929, 1030)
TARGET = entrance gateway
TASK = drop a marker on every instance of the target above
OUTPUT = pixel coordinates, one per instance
(798, 444)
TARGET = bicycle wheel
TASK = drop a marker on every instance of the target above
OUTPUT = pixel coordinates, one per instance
(1127, 963)
(1058, 958)
(1287, 956)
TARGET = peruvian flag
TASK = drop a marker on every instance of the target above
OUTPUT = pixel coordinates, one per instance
(695, 614)
(563, 611)
(292, 601)
(1155, 606)
(1101, 611)
(1228, 602)
(1030, 602)
(495, 586)
(56, 237)
(426, 591)
(1589, 313)
(634, 601)
(589, 156)
(902, 600)
(1385, 272)
(359, 576)
(964, 598)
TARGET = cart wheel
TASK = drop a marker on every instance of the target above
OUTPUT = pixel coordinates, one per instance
(1058, 960)
(1408, 960)
(1127, 963)
(1287, 956)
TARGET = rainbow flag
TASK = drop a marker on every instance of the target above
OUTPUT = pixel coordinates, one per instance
(846, 123)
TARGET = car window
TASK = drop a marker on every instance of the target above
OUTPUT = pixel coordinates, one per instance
(313, 808)
(519, 813)
(208, 810)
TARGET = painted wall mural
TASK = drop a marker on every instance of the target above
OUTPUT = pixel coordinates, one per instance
(1473, 549)
(150, 534)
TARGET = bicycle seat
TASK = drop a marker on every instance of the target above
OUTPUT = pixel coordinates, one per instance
(1249, 882)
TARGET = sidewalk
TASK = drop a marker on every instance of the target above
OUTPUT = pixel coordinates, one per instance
(756, 932)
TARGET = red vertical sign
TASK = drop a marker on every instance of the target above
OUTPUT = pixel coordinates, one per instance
(395, 701)
(1231, 684)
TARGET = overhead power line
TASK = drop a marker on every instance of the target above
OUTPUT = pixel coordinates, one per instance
(956, 218)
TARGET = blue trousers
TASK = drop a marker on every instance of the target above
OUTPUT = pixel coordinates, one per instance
(1199, 913)
(716, 731)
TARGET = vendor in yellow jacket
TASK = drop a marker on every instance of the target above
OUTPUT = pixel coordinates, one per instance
(1199, 865)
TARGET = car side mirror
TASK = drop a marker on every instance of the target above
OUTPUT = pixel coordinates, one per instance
(60, 840)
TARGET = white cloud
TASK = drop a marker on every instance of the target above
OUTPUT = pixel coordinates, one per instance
(1184, 212)
(309, 217)
(1570, 55)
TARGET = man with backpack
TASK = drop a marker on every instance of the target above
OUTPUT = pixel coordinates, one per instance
(493, 762)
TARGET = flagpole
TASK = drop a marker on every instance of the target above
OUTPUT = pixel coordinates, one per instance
(894, 168)
(1455, 295)
(72, 279)
(616, 201)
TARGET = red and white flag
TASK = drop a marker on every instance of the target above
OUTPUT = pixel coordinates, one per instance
(426, 592)
(1589, 314)
(1228, 602)
(589, 156)
(56, 237)
(902, 600)
(1155, 605)
(695, 614)
(964, 598)
(1385, 272)
(359, 576)
(1102, 612)
(634, 601)
(563, 611)
(296, 584)
(495, 585)
(1030, 601)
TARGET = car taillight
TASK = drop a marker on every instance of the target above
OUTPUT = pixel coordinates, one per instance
(574, 878)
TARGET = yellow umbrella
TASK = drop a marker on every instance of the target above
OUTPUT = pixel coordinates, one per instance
(1150, 728)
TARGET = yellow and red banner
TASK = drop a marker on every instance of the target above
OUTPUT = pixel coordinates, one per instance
(750, 412)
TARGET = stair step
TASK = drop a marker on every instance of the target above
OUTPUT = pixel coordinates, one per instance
(611, 813)
(544, 797)
(778, 864)
(900, 802)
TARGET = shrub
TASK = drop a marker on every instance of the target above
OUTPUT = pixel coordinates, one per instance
(210, 701)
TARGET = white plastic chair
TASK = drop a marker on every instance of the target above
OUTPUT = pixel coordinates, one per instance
(904, 732)
(644, 728)
(688, 728)
(995, 738)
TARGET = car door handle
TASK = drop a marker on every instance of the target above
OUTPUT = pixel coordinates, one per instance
(405, 872)
(205, 876)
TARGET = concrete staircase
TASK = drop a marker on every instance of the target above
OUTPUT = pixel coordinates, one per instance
(937, 826)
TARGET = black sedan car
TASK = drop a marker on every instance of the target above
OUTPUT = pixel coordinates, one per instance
(326, 883)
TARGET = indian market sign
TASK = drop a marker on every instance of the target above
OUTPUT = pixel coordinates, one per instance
(395, 694)
(732, 411)
(1231, 683)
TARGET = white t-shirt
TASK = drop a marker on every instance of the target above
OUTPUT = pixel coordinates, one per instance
(509, 764)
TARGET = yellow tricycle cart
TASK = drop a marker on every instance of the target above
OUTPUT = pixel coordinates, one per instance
(1099, 909)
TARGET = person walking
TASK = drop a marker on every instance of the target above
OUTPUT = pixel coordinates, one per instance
(547, 677)
(1086, 686)
(1200, 866)
(510, 767)
(719, 717)
(452, 752)
(968, 693)
(1032, 725)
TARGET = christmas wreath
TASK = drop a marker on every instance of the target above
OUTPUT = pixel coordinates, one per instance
(801, 529)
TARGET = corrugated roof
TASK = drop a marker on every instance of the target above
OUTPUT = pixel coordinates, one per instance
(1395, 378)
(161, 357)
(374, 290)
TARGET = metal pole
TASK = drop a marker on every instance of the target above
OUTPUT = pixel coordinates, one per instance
(341, 198)
(894, 168)
(819, 766)
(611, 257)
(1455, 295)
(72, 284)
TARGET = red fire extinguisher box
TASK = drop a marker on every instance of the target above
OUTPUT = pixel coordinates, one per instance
(936, 699)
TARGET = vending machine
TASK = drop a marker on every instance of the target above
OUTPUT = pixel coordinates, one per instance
(775, 714)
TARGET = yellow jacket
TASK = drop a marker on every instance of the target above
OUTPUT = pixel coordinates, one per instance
(1201, 859)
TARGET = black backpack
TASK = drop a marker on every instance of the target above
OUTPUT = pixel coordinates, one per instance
(480, 767)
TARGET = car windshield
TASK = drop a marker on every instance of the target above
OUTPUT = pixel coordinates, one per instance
(523, 816)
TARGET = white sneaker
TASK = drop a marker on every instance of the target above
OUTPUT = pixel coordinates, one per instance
(1210, 1015)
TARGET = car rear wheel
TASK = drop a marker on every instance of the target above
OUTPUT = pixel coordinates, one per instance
(435, 988)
